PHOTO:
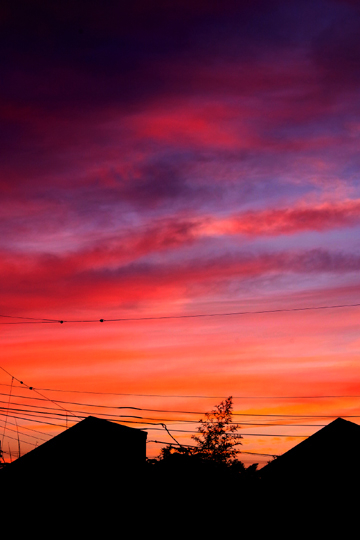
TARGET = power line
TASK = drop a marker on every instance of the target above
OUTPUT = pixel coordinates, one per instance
(55, 416)
(155, 423)
(36, 421)
(242, 434)
(191, 446)
(319, 416)
(334, 396)
(152, 426)
(43, 320)
(11, 386)
(37, 414)
(258, 454)
(27, 435)
(24, 442)
(171, 420)
(76, 413)
(150, 422)
(29, 429)
(32, 388)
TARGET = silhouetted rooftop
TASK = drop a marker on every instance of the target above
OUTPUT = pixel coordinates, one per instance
(93, 447)
(332, 451)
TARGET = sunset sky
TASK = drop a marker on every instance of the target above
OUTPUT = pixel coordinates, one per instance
(161, 159)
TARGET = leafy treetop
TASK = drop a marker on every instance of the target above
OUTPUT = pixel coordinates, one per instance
(217, 437)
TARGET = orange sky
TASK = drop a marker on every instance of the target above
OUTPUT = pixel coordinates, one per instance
(283, 354)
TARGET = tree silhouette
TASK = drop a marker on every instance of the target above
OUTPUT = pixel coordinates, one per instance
(216, 440)
(218, 436)
(208, 471)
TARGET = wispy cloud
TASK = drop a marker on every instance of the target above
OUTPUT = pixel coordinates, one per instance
(273, 222)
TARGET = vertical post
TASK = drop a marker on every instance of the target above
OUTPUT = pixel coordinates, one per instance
(17, 429)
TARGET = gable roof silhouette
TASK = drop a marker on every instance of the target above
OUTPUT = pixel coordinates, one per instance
(93, 447)
(93, 466)
(330, 452)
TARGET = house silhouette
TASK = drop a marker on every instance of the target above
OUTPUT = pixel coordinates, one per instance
(91, 460)
(328, 458)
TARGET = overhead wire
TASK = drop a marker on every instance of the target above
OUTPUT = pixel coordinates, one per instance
(24, 442)
(330, 396)
(36, 421)
(242, 434)
(159, 426)
(150, 422)
(12, 380)
(171, 411)
(32, 388)
(44, 320)
(172, 421)
(77, 413)
(27, 435)
(154, 423)
(191, 446)
(29, 429)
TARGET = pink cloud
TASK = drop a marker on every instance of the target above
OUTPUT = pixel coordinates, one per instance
(275, 222)
(51, 282)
